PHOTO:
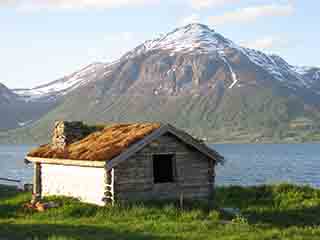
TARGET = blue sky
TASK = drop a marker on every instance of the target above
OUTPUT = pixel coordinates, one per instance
(42, 40)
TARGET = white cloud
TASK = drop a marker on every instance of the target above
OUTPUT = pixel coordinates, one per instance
(76, 4)
(194, 18)
(200, 4)
(266, 43)
(251, 14)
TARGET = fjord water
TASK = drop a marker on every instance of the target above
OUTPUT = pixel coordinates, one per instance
(12, 163)
(246, 164)
(256, 164)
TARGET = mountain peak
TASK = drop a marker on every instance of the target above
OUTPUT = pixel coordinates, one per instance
(196, 27)
(192, 38)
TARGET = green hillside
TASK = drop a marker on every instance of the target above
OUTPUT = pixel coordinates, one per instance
(244, 115)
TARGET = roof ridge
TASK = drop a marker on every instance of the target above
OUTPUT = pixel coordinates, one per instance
(118, 142)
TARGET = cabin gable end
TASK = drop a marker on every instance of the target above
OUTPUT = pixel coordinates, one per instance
(166, 168)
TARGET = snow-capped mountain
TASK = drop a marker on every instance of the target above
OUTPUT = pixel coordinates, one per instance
(194, 41)
(191, 39)
(199, 40)
(154, 80)
(23, 107)
(61, 87)
(311, 74)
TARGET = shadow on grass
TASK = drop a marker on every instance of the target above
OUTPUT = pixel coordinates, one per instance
(281, 205)
(11, 201)
(187, 204)
(8, 192)
(8, 211)
(79, 232)
(303, 217)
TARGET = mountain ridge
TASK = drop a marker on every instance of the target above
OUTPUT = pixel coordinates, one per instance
(193, 69)
(192, 37)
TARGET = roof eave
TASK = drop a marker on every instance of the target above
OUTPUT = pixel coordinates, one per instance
(212, 154)
(67, 162)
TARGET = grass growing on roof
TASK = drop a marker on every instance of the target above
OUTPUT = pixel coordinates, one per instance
(100, 145)
(267, 213)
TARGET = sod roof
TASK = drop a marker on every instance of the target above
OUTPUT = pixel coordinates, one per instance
(102, 145)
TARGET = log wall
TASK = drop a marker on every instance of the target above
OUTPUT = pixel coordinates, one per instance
(134, 177)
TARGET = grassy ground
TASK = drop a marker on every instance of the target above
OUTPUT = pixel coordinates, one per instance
(267, 212)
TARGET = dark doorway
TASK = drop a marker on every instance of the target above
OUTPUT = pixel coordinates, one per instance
(163, 168)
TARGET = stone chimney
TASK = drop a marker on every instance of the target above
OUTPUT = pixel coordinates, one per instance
(65, 133)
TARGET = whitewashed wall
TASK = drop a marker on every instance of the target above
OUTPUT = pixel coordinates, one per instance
(84, 183)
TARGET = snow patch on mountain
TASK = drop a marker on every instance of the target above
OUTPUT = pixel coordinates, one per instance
(26, 123)
(200, 39)
(63, 86)
(301, 70)
(278, 67)
(312, 72)
(233, 74)
(264, 61)
(193, 38)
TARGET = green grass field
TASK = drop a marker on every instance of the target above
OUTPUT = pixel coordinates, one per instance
(267, 212)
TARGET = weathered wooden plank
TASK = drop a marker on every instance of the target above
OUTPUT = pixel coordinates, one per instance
(37, 180)
(157, 134)
(134, 177)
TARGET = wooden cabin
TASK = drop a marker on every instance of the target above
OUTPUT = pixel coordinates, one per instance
(135, 162)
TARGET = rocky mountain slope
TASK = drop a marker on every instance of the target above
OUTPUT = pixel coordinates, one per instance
(16, 112)
(192, 77)
(23, 107)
